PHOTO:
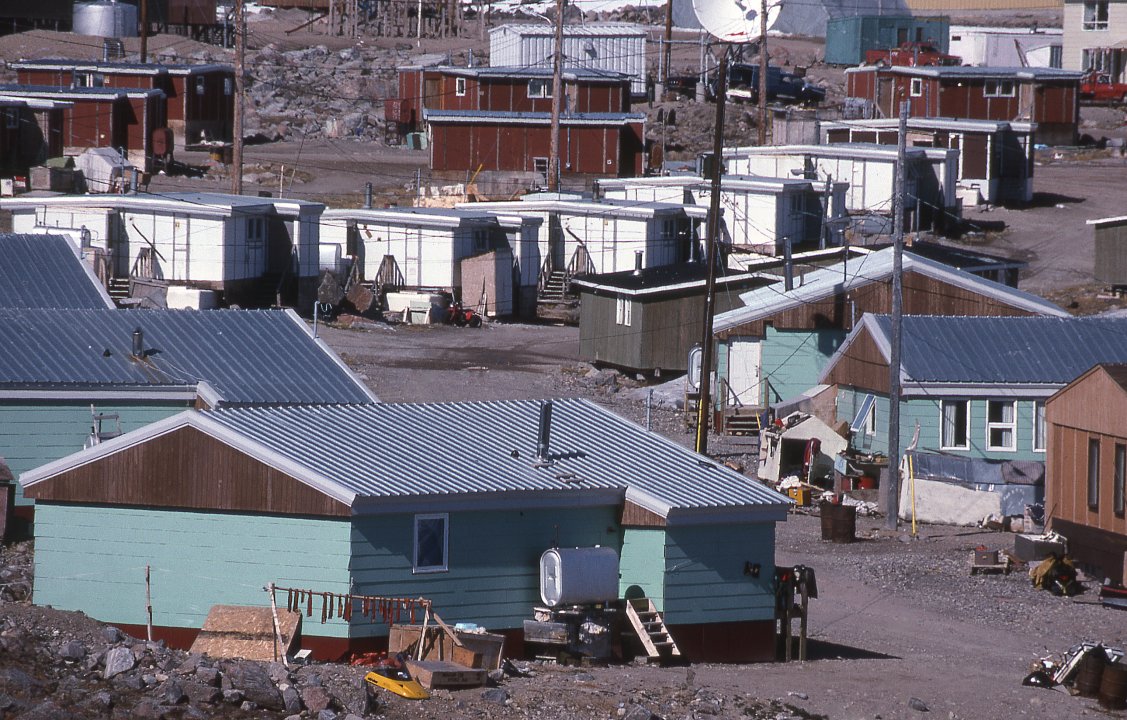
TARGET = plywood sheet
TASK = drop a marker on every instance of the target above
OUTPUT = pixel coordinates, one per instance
(238, 631)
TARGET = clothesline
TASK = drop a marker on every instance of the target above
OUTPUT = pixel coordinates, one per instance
(377, 608)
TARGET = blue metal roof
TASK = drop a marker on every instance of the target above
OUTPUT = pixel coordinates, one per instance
(45, 271)
(487, 449)
(244, 356)
(1005, 350)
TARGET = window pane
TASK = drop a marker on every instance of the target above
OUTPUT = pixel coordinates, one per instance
(1039, 425)
(1093, 474)
(1117, 489)
(430, 549)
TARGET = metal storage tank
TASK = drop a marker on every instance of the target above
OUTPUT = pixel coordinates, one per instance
(575, 576)
(618, 47)
(105, 19)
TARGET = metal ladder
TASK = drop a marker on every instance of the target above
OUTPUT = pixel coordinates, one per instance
(651, 630)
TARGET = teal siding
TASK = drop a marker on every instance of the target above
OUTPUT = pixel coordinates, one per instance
(93, 559)
(642, 563)
(793, 359)
(494, 560)
(36, 433)
(704, 573)
(925, 411)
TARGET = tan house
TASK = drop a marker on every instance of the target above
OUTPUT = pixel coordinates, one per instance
(1095, 36)
(1086, 466)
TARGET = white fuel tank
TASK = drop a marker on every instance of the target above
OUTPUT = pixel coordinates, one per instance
(573, 576)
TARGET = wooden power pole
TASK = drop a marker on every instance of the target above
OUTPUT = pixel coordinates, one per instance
(144, 31)
(557, 91)
(240, 97)
(890, 491)
(763, 72)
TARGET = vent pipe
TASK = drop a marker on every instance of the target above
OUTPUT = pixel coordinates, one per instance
(637, 262)
(138, 343)
(368, 196)
(544, 430)
(788, 266)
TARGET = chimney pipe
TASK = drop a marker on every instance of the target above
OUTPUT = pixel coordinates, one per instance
(788, 266)
(368, 196)
(637, 262)
(138, 343)
(544, 431)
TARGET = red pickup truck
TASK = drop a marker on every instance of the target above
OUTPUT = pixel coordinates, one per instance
(1098, 87)
(911, 53)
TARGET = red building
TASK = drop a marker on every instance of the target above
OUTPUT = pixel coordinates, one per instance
(499, 119)
(105, 117)
(1046, 96)
(200, 98)
(30, 132)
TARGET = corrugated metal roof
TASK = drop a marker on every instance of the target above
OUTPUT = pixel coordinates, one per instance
(1005, 350)
(50, 91)
(394, 450)
(583, 30)
(874, 267)
(44, 271)
(509, 116)
(245, 356)
(978, 72)
(568, 72)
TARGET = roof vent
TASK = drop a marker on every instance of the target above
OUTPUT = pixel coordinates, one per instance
(544, 430)
(138, 343)
(637, 262)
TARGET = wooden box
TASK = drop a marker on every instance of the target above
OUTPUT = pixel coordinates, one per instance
(479, 650)
(433, 674)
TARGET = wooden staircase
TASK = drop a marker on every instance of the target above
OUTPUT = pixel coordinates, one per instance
(554, 289)
(118, 289)
(651, 630)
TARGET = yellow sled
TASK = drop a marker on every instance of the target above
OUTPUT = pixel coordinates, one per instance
(392, 675)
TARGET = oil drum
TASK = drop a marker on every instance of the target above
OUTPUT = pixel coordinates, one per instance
(1113, 687)
(1090, 672)
(839, 522)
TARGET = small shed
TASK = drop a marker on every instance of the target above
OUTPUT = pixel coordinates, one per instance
(996, 158)
(647, 320)
(848, 38)
(375, 500)
(1087, 467)
(613, 46)
(930, 180)
(1007, 46)
(1110, 235)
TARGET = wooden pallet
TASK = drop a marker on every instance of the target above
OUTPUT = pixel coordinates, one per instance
(651, 630)
(433, 674)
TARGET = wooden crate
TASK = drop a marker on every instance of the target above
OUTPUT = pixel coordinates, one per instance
(480, 650)
(433, 674)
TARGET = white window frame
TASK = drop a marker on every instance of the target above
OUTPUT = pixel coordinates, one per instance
(1094, 20)
(916, 87)
(999, 88)
(623, 308)
(1001, 426)
(539, 88)
(460, 86)
(871, 420)
(943, 425)
(445, 565)
(1039, 439)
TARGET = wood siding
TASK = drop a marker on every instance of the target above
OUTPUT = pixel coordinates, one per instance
(861, 366)
(92, 559)
(1091, 408)
(637, 516)
(188, 469)
(923, 295)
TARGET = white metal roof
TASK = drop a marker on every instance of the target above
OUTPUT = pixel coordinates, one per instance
(414, 216)
(207, 204)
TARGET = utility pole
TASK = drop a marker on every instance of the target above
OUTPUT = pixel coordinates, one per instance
(704, 407)
(762, 72)
(557, 91)
(667, 48)
(144, 31)
(891, 489)
(240, 97)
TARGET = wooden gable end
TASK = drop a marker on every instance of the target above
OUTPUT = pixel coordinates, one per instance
(186, 469)
(634, 515)
(1094, 402)
(923, 295)
(861, 366)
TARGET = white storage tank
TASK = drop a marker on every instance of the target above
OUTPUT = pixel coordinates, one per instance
(105, 19)
(575, 576)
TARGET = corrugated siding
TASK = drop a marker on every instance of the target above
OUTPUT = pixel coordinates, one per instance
(93, 559)
(494, 561)
(615, 47)
(43, 271)
(1111, 254)
(34, 434)
(642, 563)
(704, 573)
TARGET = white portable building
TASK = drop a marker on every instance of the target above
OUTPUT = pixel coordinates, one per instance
(1007, 47)
(618, 47)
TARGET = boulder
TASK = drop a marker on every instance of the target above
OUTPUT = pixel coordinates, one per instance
(316, 698)
(118, 660)
(73, 651)
(255, 683)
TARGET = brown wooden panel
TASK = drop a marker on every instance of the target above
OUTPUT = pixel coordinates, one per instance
(186, 468)
(861, 366)
(636, 516)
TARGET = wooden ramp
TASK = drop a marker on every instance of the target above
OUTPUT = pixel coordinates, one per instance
(236, 631)
(651, 630)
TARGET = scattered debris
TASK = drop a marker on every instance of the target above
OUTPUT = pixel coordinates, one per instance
(1057, 575)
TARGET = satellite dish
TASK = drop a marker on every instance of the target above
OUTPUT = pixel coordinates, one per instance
(735, 21)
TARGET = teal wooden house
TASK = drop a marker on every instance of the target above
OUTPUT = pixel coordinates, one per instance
(384, 499)
(976, 386)
(774, 347)
(75, 377)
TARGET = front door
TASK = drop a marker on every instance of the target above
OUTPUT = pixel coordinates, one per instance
(745, 369)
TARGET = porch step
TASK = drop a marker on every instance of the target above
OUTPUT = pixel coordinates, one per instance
(744, 421)
(555, 289)
(118, 288)
(650, 628)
